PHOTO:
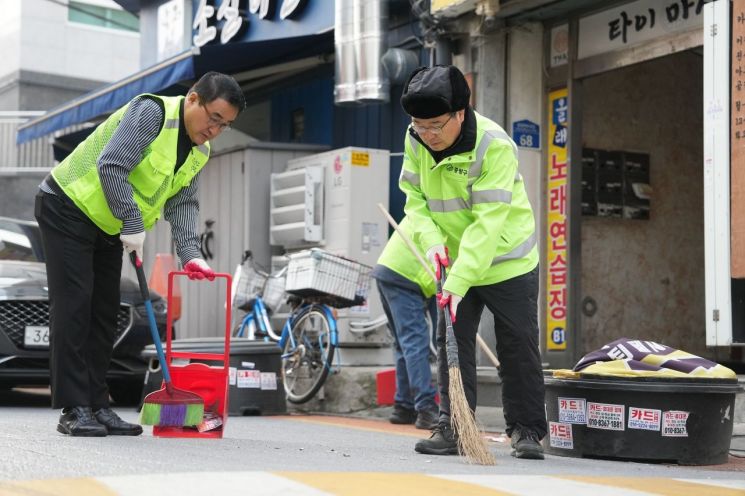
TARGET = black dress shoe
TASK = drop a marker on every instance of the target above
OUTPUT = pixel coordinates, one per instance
(115, 425)
(79, 421)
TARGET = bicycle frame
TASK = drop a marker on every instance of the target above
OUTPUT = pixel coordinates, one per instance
(257, 318)
(286, 334)
(309, 338)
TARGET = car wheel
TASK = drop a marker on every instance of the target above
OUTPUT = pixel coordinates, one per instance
(126, 393)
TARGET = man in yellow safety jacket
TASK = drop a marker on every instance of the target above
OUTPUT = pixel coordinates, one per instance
(145, 157)
(468, 208)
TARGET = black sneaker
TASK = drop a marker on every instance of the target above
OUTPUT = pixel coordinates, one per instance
(427, 419)
(525, 444)
(441, 442)
(402, 415)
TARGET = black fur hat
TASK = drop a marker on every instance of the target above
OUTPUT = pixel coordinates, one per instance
(434, 91)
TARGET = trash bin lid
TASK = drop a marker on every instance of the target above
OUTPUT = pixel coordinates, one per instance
(647, 384)
(217, 345)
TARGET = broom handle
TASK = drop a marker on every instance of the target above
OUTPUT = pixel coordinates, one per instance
(445, 310)
(482, 344)
(150, 315)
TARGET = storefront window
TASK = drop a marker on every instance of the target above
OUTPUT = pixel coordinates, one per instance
(94, 15)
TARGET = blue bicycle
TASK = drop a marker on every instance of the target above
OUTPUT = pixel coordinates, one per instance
(309, 335)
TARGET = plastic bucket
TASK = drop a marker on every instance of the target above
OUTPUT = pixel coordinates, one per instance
(686, 421)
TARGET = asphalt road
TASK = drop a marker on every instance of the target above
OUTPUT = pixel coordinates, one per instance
(306, 455)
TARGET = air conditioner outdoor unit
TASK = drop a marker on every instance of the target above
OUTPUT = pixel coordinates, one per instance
(329, 200)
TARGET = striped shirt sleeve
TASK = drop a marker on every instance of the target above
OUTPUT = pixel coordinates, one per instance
(182, 211)
(138, 128)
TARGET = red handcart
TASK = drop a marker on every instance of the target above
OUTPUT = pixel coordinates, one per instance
(205, 374)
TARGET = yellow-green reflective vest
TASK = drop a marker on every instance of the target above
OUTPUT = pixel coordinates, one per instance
(474, 203)
(398, 257)
(153, 180)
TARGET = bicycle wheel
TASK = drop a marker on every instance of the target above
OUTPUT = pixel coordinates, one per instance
(307, 354)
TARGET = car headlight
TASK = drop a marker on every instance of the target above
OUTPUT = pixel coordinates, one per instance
(160, 308)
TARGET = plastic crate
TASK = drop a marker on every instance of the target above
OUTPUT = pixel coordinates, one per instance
(319, 273)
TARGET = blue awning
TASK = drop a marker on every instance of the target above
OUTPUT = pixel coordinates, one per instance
(110, 97)
(163, 78)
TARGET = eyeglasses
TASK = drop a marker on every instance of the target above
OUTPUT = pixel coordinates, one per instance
(213, 121)
(435, 130)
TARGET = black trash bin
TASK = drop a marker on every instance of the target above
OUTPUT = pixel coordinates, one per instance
(255, 386)
(682, 420)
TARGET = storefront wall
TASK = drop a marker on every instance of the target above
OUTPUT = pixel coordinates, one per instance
(646, 277)
(631, 277)
(639, 278)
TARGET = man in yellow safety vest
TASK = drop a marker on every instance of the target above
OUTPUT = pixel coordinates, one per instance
(100, 200)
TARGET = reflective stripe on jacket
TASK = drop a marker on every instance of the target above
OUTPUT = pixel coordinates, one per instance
(474, 203)
(153, 180)
(398, 257)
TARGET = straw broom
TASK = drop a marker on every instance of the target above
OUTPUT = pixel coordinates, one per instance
(470, 438)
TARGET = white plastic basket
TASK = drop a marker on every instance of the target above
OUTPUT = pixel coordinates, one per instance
(250, 284)
(316, 272)
(274, 290)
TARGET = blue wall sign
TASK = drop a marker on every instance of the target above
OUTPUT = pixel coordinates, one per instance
(526, 134)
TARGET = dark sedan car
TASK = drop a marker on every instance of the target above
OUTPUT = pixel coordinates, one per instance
(24, 318)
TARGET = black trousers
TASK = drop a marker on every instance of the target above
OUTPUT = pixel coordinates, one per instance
(514, 303)
(84, 267)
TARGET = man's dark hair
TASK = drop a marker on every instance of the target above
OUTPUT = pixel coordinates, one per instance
(214, 85)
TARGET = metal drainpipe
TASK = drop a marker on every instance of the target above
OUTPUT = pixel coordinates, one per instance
(346, 74)
(370, 21)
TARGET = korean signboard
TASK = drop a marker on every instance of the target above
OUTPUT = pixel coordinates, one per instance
(636, 22)
(225, 21)
(556, 237)
(737, 138)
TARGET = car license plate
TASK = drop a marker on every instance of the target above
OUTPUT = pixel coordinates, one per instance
(36, 337)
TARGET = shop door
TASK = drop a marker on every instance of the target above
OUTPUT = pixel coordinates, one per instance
(643, 208)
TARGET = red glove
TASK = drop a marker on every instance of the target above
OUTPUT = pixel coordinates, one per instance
(438, 254)
(451, 301)
(198, 269)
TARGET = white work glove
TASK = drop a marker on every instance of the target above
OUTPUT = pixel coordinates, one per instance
(450, 300)
(198, 269)
(133, 242)
(435, 252)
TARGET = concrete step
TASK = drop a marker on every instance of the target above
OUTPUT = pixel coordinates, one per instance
(352, 388)
(348, 389)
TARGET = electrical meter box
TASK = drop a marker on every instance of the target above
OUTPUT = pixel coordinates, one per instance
(330, 200)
